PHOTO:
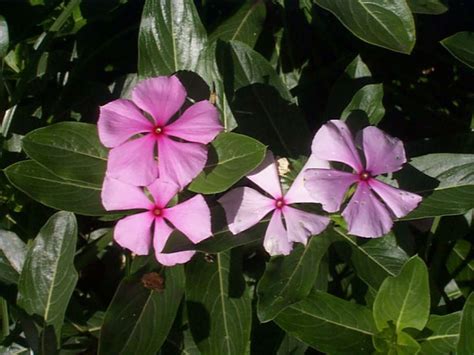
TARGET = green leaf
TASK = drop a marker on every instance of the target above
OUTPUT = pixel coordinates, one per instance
(218, 304)
(4, 38)
(291, 346)
(466, 340)
(71, 150)
(329, 324)
(48, 277)
(12, 256)
(428, 7)
(460, 265)
(368, 100)
(445, 180)
(51, 190)
(404, 300)
(385, 23)
(171, 37)
(440, 335)
(245, 25)
(231, 156)
(289, 279)
(461, 46)
(140, 315)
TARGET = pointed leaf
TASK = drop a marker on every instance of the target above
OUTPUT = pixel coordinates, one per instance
(428, 7)
(12, 256)
(466, 340)
(461, 46)
(460, 265)
(368, 100)
(440, 335)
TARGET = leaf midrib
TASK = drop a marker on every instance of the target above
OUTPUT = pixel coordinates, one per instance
(224, 311)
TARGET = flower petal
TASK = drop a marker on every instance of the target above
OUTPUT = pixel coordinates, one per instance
(334, 142)
(276, 240)
(160, 237)
(365, 215)
(399, 201)
(383, 153)
(192, 217)
(180, 162)
(133, 162)
(301, 225)
(163, 191)
(328, 186)
(244, 207)
(266, 176)
(117, 195)
(298, 192)
(134, 232)
(199, 123)
(119, 120)
(161, 97)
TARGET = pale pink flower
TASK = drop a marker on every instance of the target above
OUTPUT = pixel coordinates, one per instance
(192, 217)
(245, 207)
(365, 214)
(135, 139)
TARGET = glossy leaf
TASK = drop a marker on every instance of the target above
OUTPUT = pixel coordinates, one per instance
(51, 190)
(428, 7)
(4, 38)
(461, 46)
(329, 324)
(466, 340)
(368, 100)
(218, 305)
(48, 277)
(171, 37)
(71, 150)
(404, 299)
(289, 279)
(231, 156)
(440, 335)
(460, 265)
(12, 256)
(386, 23)
(140, 316)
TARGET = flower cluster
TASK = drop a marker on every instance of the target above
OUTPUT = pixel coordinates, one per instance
(155, 153)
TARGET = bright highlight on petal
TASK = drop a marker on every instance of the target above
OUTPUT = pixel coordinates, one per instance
(134, 233)
(117, 195)
(160, 237)
(302, 225)
(400, 202)
(266, 176)
(276, 240)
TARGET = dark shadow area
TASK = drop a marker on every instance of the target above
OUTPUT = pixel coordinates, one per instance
(200, 322)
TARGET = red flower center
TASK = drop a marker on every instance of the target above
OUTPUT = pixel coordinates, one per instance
(157, 211)
(280, 203)
(364, 176)
(158, 130)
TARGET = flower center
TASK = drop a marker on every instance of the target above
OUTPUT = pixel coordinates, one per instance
(364, 176)
(158, 211)
(158, 130)
(280, 203)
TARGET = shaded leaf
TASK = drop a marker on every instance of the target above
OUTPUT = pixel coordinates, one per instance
(12, 256)
(460, 265)
(368, 100)
(440, 335)
(466, 340)
(428, 7)
(461, 46)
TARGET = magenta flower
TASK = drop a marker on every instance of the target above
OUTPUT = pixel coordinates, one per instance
(365, 214)
(192, 217)
(244, 207)
(147, 118)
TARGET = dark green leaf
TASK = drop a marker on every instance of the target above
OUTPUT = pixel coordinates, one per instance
(404, 299)
(385, 23)
(231, 156)
(466, 340)
(440, 335)
(460, 265)
(48, 277)
(330, 324)
(140, 315)
(12, 256)
(291, 346)
(289, 279)
(218, 304)
(461, 46)
(368, 100)
(428, 7)
(51, 190)
(171, 37)
(4, 40)
(71, 150)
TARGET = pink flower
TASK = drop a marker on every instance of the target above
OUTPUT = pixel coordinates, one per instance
(149, 114)
(244, 207)
(192, 217)
(365, 214)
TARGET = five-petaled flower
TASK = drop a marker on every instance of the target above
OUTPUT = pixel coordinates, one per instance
(192, 217)
(245, 207)
(365, 214)
(147, 118)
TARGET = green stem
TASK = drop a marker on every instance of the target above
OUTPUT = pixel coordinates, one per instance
(5, 318)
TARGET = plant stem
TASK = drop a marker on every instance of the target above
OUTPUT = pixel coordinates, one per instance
(5, 318)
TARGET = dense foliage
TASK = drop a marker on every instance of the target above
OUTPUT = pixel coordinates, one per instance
(277, 70)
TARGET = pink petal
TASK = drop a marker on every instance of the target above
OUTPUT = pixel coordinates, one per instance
(399, 201)
(266, 176)
(297, 192)
(180, 162)
(119, 120)
(117, 195)
(365, 215)
(301, 225)
(192, 217)
(133, 232)
(244, 207)
(133, 162)
(334, 142)
(161, 97)
(383, 153)
(160, 237)
(162, 191)
(199, 123)
(276, 240)
(328, 186)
